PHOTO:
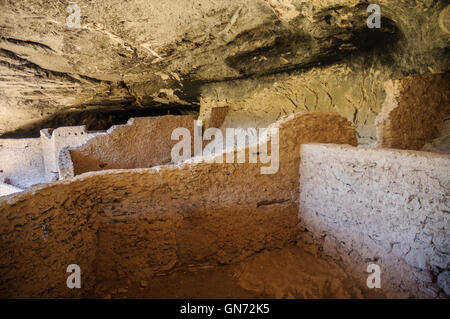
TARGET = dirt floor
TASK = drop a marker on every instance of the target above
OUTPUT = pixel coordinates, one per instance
(291, 272)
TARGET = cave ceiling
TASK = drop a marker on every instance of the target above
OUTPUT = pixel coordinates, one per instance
(156, 55)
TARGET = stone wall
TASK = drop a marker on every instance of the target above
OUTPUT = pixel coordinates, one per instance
(42, 231)
(54, 142)
(414, 111)
(21, 162)
(387, 207)
(30, 161)
(214, 117)
(143, 142)
(207, 213)
(139, 222)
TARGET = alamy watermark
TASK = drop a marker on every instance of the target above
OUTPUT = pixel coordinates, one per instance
(374, 19)
(374, 279)
(74, 18)
(74, 280)
(254, 140)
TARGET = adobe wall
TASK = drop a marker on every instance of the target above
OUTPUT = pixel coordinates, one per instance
(60, 138)
(414, 111)
(21, 162)
(440, 144)
(143, 142)
(214, 117)
(30, 161)
(25, 162)
(207, 213)
(42, 231)
(387, 207)
(140, 222)
(6, 189)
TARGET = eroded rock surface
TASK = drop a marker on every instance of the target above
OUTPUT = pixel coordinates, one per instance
(295, 55)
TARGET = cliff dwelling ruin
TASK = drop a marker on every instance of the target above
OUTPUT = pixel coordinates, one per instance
(225, 149)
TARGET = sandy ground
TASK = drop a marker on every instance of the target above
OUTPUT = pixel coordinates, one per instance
(291, 272)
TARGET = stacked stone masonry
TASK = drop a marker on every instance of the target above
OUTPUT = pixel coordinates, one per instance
(388, 207)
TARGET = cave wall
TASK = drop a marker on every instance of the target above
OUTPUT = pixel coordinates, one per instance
(53, 142)
(388, 207)
(350, 82)
(414, 111)
(354, 93)
(134, 55)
